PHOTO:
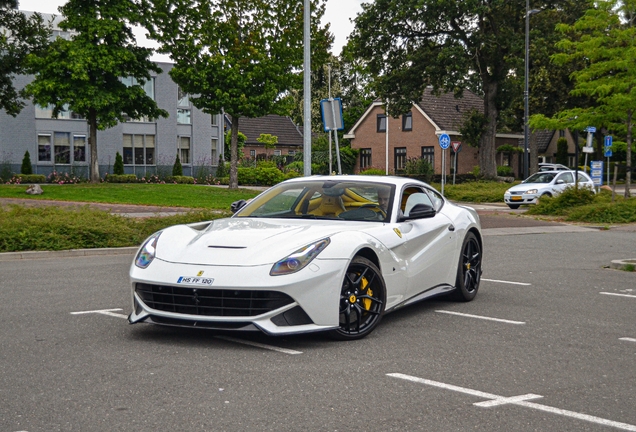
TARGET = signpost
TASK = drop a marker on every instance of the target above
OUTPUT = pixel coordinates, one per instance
(331, 110)
(444, 143)
(596, 172)
(588, 144)
(608, 154)
(457, 146)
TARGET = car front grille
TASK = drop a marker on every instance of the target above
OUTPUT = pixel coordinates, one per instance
(210, 302)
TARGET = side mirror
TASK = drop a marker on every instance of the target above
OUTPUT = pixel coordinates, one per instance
(560, 181)
(420, 211)
(237, 205)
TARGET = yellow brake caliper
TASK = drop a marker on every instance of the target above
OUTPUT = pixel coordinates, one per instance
(366, 302)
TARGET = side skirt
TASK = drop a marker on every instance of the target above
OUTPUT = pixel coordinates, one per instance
(431, 292)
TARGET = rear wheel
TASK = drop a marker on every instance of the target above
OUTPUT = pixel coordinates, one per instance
(514, 206)
(362, 300)
(468, 269)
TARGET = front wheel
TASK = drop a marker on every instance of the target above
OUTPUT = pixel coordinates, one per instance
(514, 206)
(362, 300)
(468, 269)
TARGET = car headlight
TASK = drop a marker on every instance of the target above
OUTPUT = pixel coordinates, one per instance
(147, 252)
(507, 192)
(532, 191)
(299, 259)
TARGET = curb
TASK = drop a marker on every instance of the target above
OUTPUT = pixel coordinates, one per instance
(14, 256)
(623, 264)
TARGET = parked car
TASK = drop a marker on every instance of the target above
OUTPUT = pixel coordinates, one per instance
(321, 253)
(544, 183)
(552, 167)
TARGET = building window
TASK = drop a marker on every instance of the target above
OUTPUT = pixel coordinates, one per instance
(428, 154)
(183, 98)
(44, 148)
(292, 152)
(139, 149)
(149, 89)
(407, 122)
(64, 114)
(365, 158)
(571, 160)
(252, 153)
(62, 147)
(183, 116)
(79, 148)
(277, 153)
(381, 123)
(214, 154)
(400, 158)
(184, 150)
(214, 119)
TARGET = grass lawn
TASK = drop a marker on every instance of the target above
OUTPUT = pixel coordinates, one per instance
(168, 195)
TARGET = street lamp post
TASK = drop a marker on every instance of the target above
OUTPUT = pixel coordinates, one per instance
(525, 92)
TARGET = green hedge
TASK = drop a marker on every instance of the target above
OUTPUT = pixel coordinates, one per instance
(263, 176)
(32, 178)
(180, 179)
(121, 178)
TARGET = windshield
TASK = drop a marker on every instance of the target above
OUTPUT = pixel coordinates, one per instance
(540, 177)
(324, 199)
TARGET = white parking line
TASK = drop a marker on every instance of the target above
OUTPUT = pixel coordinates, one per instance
(108, 312)
(481, 317)
(496, 400)
(260, 345)
(627, 339)
(506, 282)
(620, 295)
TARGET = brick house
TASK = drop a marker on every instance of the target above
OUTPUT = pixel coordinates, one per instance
(415, 134)
(290, 138)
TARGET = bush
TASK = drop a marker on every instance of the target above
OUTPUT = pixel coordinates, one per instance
(31, 178)
(564, 202)
(120, 178)
(221, 170)
(505, 171)
(26, 167)
(260, 176)
(373, 171)
(63, 178)
(118, 168)
(177, 169)
(419, 167)
(180, 179)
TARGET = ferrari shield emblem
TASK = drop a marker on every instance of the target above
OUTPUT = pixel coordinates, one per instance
(398, 232)
(200, 273)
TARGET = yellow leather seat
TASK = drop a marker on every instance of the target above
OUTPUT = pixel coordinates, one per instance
(329, 206)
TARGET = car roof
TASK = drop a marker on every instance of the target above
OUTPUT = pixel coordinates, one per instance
(398, 181)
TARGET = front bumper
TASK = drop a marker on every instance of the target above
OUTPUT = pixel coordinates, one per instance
(520, 199)
(312, 297)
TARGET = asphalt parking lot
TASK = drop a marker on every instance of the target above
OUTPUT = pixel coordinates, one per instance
(548, 344)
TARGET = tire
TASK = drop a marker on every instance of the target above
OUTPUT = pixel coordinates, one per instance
(547, 194)
(362, 300)
(468, 270)
(514, 206)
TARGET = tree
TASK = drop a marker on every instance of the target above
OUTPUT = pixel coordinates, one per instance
(118, 168)
(604, 40)
(449, 45)
(562, 151)
(240, 56)
(177, 168)
(240, 144)
(86, 72)
(26, 167)
(269, 141)
(20, 35)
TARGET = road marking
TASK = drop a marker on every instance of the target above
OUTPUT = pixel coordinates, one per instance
(481, 317)
(259, 345)
(108, 312)
(506, 282)
(517, 400)
(628, 339)
(620, 295)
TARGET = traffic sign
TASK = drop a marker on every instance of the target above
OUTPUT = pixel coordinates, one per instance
(590, 129)
(596, 172)
(608, 141)
(331, 110)
(444, 141)
(608, 152)
(457, 146)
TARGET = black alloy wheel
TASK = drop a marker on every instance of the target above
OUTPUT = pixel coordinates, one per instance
(469, 269)
(362, 300)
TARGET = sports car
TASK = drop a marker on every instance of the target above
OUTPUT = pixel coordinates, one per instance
(318, 253)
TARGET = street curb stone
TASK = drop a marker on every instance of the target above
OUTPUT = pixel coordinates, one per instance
(14, 256)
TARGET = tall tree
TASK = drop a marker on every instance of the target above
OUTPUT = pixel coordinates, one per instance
(237, 56)
(604, 40)
(85, 73)
(20, 35)
(449, 45)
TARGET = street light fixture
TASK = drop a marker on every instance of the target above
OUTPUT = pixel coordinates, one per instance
(525, 93)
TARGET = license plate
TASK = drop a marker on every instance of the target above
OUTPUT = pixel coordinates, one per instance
(189, 280)
(516, 198)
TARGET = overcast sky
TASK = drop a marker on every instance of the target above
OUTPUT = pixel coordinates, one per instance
(338, 13)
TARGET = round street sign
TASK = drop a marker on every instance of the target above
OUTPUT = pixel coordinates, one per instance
(444, 141)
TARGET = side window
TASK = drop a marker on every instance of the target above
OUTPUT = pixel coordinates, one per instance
(413, 196)
(438, 200)
(566, 177)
